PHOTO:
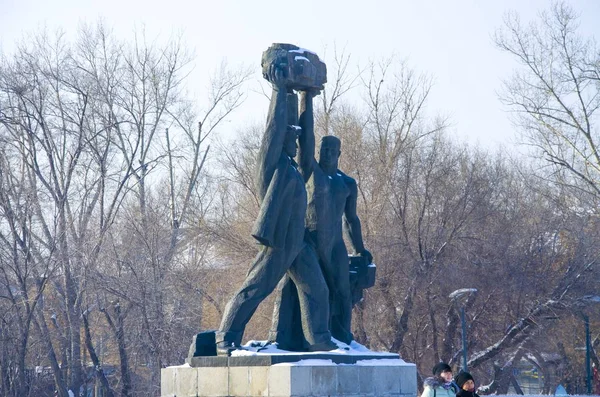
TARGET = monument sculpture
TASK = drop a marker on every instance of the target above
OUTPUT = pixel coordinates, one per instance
(306, 209)
(279, 227)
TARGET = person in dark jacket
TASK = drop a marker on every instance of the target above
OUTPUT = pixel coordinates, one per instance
(441, 383)
(466, 383)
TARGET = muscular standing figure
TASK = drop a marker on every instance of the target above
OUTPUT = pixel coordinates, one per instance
(279, 228)
(332, 197)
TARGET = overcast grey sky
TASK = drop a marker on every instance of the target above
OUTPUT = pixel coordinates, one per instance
(450, 40)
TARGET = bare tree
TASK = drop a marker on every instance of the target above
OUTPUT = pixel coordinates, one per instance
(90, 126)
(341, 80)
(555, 92)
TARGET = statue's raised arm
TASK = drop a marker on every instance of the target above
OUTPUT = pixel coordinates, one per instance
(288, 68)
(352, 226)
(306, 141)
(271, 147)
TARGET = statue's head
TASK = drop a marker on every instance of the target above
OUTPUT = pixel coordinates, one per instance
(290, 146)
(330, 151)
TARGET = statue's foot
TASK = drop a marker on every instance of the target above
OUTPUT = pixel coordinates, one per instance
(322, 347)
(265, 346)
(225, 348)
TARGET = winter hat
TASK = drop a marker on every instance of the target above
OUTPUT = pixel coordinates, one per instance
(441, 367)
(462, 378)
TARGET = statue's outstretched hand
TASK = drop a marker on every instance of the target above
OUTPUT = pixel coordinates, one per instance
(277, 77)
(313, 91)
(366, 254)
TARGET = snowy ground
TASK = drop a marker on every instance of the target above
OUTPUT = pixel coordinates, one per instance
(265, 348)
(258, 348)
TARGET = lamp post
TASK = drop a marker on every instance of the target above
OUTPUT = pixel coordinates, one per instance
(463, 326)
(588, 299)
(588, 347)
(460, 297)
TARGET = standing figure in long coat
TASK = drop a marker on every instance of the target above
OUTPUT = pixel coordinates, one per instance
(280, 230)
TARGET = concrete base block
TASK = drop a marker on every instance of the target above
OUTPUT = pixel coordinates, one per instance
(186, 382)
(239, 381)
(259, 381)
(213, 381)
(310, 378)
(167, 382)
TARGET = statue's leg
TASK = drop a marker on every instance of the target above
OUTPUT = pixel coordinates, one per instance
(341, 318)
(313, 296)
(331, 254)
(269, 267)
(286, 326)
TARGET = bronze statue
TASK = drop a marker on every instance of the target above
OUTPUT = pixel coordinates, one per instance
(279, 227)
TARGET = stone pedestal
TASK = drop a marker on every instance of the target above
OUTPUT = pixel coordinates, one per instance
(367, 376)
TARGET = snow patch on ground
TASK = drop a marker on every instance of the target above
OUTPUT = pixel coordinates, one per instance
(260, 348)
(314, 363)
(381, 362)
(186, 365)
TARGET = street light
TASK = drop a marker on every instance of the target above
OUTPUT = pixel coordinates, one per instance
(588, 342)
(460, 297)
(588, 346)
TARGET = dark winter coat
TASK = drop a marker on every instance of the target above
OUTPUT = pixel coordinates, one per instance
(436, 387)
(280, 221)
(465, 393)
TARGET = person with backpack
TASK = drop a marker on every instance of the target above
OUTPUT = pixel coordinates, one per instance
(466, 383)
(441, 383)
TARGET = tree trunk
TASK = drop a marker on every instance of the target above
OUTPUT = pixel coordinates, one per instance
(119, 331)
(94, 357)
(42, 326)
(436, 352)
